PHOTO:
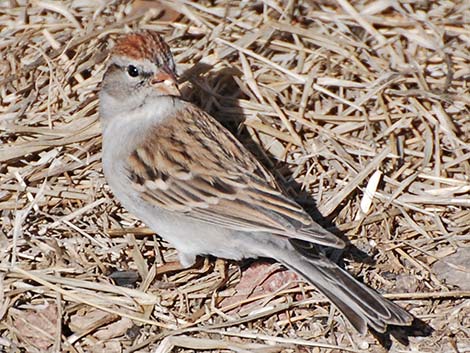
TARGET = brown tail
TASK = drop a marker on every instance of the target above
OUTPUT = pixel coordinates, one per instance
(361, 305)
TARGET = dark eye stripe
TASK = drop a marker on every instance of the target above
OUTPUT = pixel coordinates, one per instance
(142, 74)
(113, 67)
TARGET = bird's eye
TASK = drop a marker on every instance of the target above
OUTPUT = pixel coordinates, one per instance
(132, 71)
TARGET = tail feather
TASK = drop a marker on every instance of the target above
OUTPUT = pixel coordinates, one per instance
(361, 305)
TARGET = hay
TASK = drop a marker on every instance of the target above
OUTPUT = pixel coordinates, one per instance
(360, 108)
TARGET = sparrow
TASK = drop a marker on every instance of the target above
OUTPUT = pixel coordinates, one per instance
(191, 181)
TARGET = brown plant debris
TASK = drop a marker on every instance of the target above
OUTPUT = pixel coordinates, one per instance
(361, 109)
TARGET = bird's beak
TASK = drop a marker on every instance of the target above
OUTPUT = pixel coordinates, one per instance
(165, 80)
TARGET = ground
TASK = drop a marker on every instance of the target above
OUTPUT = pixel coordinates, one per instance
(360, 109)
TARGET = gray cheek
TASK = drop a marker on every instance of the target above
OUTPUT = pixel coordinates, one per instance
(120, 88)
(118, 84)
(118, 95)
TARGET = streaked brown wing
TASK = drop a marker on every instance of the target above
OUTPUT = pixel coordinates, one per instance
(193, 165)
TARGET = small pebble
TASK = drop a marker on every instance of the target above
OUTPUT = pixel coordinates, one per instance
(363, 345)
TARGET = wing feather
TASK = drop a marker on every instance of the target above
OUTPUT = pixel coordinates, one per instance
(191, 164)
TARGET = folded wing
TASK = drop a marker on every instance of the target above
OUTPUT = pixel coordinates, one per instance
(193, 165)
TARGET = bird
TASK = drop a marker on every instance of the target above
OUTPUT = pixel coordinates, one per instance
(189, 179)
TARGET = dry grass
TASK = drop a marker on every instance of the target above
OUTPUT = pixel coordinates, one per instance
(361, 106)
